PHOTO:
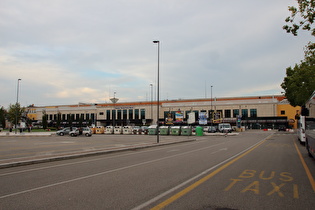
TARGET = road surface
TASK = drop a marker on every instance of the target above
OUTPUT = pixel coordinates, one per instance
(253, 170)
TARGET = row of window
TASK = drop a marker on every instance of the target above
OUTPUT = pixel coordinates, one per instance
(217, 114)
(73, 117)
(124, 114)
(141, 114)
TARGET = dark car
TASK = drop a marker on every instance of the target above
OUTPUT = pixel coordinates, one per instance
(282, 128)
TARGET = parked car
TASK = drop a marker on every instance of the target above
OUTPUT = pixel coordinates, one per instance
(282, 128)
(65, 131)
(81, 131)
(212, 129)
(205, 128)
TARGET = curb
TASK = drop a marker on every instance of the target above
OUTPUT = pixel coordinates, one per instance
(86, 154)
(8, 134)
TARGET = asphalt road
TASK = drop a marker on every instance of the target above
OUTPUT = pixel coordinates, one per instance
(253, 170)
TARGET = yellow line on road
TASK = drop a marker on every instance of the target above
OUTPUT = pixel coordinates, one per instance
(204, 179)
(307, 170)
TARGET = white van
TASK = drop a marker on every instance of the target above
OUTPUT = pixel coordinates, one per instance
(225, 127)
(301, 130)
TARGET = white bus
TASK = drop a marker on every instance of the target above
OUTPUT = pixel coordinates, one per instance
(301, 130)
(310, 126)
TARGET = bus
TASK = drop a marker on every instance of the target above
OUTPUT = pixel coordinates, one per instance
(310, 126)
(310, 136)
(301, 130)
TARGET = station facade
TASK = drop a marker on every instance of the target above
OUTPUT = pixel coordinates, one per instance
(255, 112)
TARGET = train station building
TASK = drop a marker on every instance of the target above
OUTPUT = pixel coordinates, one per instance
(256, 112)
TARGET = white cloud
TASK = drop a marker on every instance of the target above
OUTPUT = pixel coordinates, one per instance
(67, 52)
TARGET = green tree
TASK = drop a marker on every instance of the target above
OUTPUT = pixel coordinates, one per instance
(302, 17)
(3, 114)
(300, 80)
(299, 83)
(45, 119)
(15, 113)
(58, 121)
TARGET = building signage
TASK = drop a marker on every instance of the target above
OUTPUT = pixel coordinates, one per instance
(123, 107)
(191, 118)
(203, 118)
(179, 116)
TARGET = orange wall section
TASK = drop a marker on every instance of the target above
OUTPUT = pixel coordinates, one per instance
(289, 112)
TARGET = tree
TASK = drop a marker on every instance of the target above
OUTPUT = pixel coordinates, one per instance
(3, 114)
(299, 83)
(45, 120)
(307, 13)
(300, 80)
(58, 121)
(15, 113)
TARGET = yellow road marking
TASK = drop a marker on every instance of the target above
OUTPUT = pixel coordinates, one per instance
(307, 170)
(199, 182)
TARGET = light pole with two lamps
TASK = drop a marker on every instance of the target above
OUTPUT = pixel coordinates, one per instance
(16, 105)
(158, 91)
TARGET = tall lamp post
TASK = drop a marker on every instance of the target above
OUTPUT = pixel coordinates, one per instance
(114, 100)
(211, 109)
(158, 92)
(151, 87)
(16, 106)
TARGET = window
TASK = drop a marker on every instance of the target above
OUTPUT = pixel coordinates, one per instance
(93, 117)
(142, 113)
(136, 113)
(244, 112)
(101, 113)
(282, 112)
(125, 114)
(210, 114)
(108, 114)
(236, 112)
(227, 113)
(253, 112)
(130, 114)
(218, 114)
(113, 114)
(119, 114)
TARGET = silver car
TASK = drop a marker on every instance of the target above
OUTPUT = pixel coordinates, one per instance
(85, 131)
(65, 131)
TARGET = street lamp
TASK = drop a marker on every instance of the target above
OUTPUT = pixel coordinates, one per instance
(16, 106)
(114, 100)
(211, 109)
(158, 91)
(151, 87)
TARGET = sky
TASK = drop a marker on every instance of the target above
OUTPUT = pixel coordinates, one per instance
(88, 51)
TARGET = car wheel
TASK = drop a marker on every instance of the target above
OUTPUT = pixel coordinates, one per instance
(61, 134)
(72, 134)
(87, 134)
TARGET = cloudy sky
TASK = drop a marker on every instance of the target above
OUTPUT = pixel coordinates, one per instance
(74, 51)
